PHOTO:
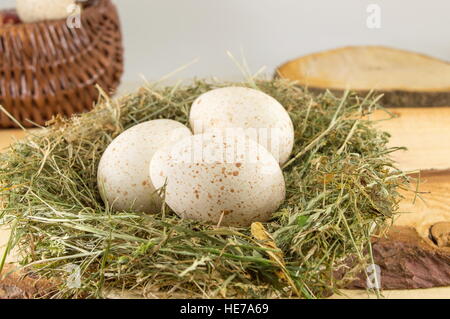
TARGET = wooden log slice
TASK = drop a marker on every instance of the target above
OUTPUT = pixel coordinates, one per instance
(405, 78)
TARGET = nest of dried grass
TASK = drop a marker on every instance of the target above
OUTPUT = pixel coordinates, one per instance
(341, 190)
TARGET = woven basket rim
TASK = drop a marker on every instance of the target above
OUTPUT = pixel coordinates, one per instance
(89, 8)
(49, 68)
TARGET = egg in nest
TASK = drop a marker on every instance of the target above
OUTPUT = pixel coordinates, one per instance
(123, 178)
(247, 111)
(217, 178)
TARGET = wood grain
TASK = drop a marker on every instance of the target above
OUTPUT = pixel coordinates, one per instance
(424, 131)
(432, 293)
(431, 208)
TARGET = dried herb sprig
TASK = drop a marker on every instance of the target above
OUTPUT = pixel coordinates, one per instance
(341, 189)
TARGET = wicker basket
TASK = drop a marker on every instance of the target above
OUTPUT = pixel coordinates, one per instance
(48, 68)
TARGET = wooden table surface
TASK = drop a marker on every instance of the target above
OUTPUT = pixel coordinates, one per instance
(426, 133)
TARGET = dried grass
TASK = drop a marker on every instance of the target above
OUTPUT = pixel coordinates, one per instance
(341, 189)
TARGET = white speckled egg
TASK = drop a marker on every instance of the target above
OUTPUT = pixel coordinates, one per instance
(40, 10)
(219, 178)
(259, 115)
(123, 177)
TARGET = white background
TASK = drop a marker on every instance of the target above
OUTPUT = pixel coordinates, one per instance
(161, 35)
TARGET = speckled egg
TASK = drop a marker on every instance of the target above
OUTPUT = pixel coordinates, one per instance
(257, 114)
(123, 177)
(216, 178)
(40, 10)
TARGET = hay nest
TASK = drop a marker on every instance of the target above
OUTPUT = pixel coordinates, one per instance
(341, 190)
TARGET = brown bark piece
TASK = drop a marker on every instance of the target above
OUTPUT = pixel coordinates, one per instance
(408, 261)
(405, 78)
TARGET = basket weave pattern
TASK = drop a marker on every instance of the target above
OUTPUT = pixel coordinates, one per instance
(47, 68)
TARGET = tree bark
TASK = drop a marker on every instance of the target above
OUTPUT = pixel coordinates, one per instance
(407, 261)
